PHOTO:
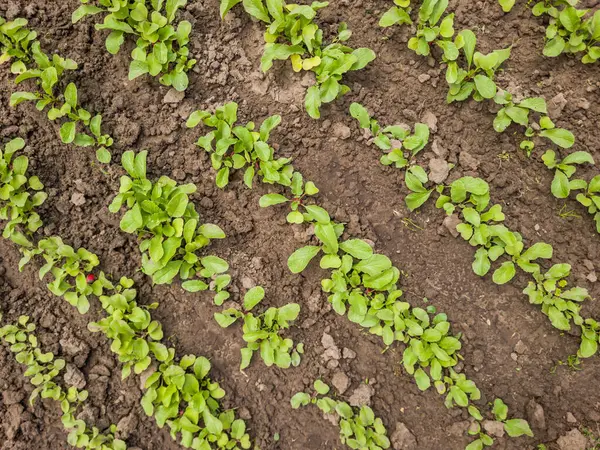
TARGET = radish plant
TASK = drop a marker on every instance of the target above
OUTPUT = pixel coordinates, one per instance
(174, 385)
(482, 227)
(363, 286)
(20, 195)
(168, 224)
(393, 141)
(69, 269)
(570, 30)
(240, 147)
(262, 332)
(292, 34)
(563, 185)
(161, 45)
(43, 369)
(359, 428)
(78, 126)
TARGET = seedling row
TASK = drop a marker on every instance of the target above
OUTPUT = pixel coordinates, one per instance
(361, 284)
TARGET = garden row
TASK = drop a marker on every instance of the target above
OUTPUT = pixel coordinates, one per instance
(361, 284)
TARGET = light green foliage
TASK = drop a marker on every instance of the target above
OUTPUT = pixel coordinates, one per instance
(570, 30)
(43, 369)
(359, 428)
(262, 332)
(20, 195)
(468, 72)
(69, 269)
(563, 185)
(400, 148)
(562, 305)
(135, 335)
(507, 5)
(240, 147)
(30, 62)
(513, 427)
(161, 45)
(167, 222)
(136, 340)
(399, 145)
(182, 396)
(292, 34)
(482, 227)
(362, 285)
(15, 43)
(520, 113)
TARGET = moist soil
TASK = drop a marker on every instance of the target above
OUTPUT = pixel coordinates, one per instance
(510, 348)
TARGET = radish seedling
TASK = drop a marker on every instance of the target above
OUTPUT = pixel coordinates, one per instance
(563, 185)
(161, 47)
(162, 215)
(261, 332)
(43, 369)
(20, 195)
(570, 30)
(292, 34)
(30, 62)
(240, 147)
(359, 428)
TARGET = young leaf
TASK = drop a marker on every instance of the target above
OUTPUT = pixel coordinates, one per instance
(253, 297)
(298, 260)
(517, 427)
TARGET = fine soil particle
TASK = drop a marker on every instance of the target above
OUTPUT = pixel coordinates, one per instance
(510, 348)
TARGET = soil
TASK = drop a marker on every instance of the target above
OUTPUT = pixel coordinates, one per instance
(510, 348)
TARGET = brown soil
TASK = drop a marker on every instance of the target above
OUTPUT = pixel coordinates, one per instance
(361, 192)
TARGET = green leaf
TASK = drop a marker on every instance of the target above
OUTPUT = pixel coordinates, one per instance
(103, 155)
(554, 46)
(394, 16)
(587, 348)
(300, 399)
(67, 132)
(84, 10)
(256, 9)
(321, 387)
(360, 113)
(422, 379)
(504, 273)
(194, 285)
(415, 199)
(114, 41)
(298, 260)
(500, 409)
(318, 213)
(132, 220)
(475, 445)
(271, 199)
(137, 68)
(326, 234)
(579, 157)
(357, 248)
(570, 18)
(469, 40)
(506, 5)
(560, 185)
(535, 103)
(485, 86)
(517, 427)
(226, 5)
(180, 81)
(253, 297)
(363, 57)
(561, 137)
(177, 205)
(312, 102)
